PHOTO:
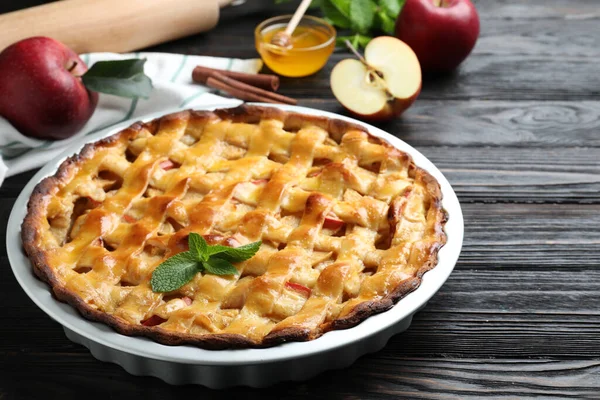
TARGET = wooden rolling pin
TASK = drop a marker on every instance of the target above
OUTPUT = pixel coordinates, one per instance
(111, 25)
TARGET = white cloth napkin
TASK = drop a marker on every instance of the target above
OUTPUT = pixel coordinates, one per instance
(173, 88)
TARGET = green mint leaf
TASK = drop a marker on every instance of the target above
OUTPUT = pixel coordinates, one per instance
(340, 41)
(357, 40)
(363, 40)
(217, 266)
(362, 15)
(123, 78)
(234, 254)
(343, 6)
(334, 16)
(174, 272)
(178, 270)
(315, 4)
(386, 23)
(198, 246)
(392, 7)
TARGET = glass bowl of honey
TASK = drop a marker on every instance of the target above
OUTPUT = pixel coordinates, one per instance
(312, 43)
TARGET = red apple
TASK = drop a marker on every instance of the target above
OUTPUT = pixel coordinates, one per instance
(303, 290)
(441, 32)
(129, 219)
(333, 223)
(381, 86)
(153, 321)
(41, 90)
(167, 165)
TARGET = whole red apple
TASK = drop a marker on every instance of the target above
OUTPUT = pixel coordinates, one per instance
(41, 90)
(442, 33)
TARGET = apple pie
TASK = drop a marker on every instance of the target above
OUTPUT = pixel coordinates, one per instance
(348, 225)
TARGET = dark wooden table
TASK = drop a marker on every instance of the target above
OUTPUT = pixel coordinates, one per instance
(517, 132)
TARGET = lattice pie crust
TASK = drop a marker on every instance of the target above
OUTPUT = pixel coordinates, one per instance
(348, 224)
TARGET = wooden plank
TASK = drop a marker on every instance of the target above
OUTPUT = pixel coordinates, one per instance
(492, 300)
(464, 379)
(518, 77)
(379, 376)
(562, 37)
(536, 236)
(525, 175)
(508, 314)
(508, 10)
(479, 123)
(489, 77)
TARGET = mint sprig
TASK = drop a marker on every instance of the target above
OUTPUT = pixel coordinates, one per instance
(362, 13)
(124, 78)
(181, 268)
(360, 20)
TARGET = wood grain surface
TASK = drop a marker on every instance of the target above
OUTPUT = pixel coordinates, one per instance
(516, 130)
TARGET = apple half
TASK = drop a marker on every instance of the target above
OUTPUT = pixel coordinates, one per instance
(380, 86)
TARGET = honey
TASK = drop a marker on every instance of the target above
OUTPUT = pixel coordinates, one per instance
(311, 47)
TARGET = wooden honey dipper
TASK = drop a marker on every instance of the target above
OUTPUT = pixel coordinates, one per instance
(284, 38)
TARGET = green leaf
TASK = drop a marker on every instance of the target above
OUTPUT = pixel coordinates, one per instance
(386, 24)
(198, 246)
(123, 78)
(363, 40)
(343, 6)
(339, 40)
(234, 254)
(362, 14)
(334, 16)
(218, 266)
(314, 4)
(174, 272)
(178, 270)
(357, 40)
(392, 7)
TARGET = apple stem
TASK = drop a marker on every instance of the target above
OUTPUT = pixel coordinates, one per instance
(72, 67)
(374, 77)
(357, 54)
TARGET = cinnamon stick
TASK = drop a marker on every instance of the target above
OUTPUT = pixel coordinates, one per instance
(265, 81)
(253, 89)
(237, 93)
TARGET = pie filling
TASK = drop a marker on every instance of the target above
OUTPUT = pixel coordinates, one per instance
(348, 226)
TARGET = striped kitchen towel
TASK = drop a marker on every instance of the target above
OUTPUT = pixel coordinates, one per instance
(173, 88)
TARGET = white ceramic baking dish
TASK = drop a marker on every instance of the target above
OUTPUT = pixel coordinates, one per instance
(250, 367)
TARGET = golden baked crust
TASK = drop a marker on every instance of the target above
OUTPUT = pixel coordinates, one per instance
(349, 225)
